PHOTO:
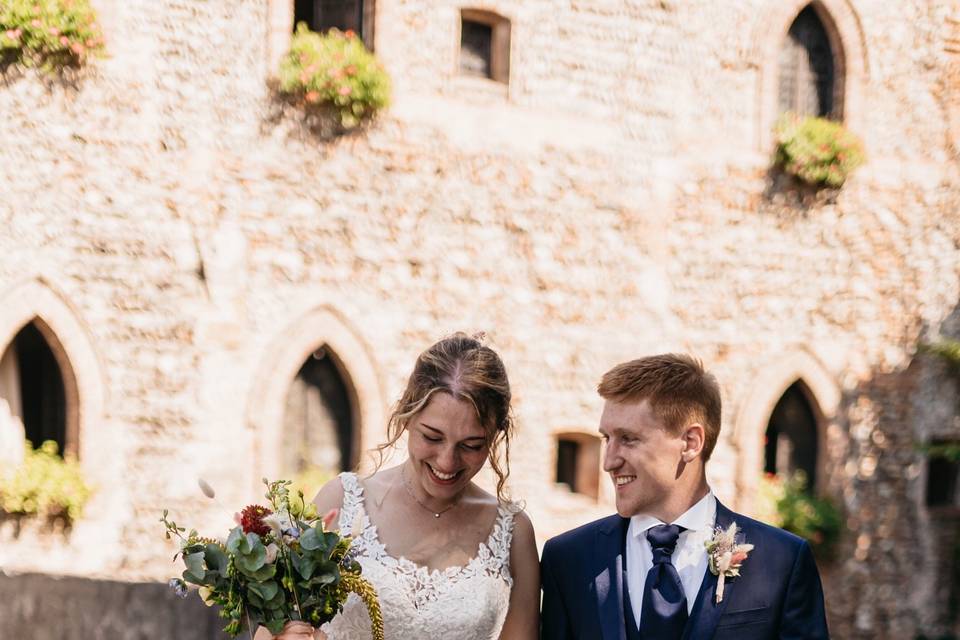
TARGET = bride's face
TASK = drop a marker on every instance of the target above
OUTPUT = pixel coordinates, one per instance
(447, 446)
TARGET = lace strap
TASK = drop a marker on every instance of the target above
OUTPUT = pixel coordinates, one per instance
(352, 500)
(502, 536)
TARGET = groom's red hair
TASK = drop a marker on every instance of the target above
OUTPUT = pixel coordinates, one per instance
(679, 389)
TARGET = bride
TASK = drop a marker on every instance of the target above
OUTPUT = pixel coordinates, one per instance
(448, 559)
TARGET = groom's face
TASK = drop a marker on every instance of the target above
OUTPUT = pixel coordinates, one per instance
(641, 456)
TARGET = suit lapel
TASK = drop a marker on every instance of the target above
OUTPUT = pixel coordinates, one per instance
(608, 577)
(706, 612)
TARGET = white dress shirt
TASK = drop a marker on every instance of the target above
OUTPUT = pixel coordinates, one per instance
(690, 556)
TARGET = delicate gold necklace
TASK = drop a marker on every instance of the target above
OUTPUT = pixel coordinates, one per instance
(406, 485)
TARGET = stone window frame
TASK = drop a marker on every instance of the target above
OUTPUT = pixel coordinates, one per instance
(845, 31)
(750, 425)
(37, 301)
(589, 465)
(283, 356)
(280, 29)
(500, 45)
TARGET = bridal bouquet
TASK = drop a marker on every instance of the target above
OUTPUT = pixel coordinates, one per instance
(280, 564)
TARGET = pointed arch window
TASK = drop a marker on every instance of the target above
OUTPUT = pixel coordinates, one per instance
(34, 400)
(811, 68)
(319, 418)
(791, 442)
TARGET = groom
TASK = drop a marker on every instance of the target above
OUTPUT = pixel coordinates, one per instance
(646, 572)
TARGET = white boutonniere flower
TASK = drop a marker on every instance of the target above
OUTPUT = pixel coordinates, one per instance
(726, 555)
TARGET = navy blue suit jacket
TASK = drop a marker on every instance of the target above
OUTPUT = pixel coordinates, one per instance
(777, 595)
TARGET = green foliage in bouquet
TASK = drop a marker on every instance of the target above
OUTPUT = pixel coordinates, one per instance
(818, 151)
(48, 34)
(334, 71)
(280, 564)
(788, 505)
(44, 485)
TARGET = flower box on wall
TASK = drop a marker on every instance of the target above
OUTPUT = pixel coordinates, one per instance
(819, 152)
(50, 35)
(44, 487)
(333, 77)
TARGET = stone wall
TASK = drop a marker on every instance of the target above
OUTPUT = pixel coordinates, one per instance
(42, 607)
(609, 203)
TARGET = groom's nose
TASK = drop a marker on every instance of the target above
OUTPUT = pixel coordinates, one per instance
(611, 458)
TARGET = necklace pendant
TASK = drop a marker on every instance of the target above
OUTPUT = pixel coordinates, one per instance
(436, 515)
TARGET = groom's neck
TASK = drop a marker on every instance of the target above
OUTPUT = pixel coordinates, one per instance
(683, 496)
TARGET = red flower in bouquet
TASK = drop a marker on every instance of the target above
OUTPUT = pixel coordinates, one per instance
(251, 520)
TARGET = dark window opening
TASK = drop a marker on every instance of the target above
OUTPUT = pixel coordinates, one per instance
(808, 73)
(484, 45)
(476, 45)
(942, 472)
(42, 395)
(578, 463)
(318, 421)
(791, 438)
(568, 453)
(345, 15)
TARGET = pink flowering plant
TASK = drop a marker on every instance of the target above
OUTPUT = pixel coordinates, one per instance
(334, 72)
(820, 152)
(280, 563)
(48, 34)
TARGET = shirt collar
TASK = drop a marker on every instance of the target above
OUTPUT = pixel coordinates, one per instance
(700, 516)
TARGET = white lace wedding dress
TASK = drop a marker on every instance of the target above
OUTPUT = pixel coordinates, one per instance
(466, 602)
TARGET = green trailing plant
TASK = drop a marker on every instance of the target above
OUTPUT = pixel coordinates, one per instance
(45, 485)
(787, 504)
(334, 72)
(818, 151)
(48, 34)
(946, 349)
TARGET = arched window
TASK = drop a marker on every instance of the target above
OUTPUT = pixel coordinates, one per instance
(810, 69)
(318, 420)
(345, 15)
(33, 398)
(791, 437)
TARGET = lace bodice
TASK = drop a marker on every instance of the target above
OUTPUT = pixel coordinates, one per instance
(467, 602)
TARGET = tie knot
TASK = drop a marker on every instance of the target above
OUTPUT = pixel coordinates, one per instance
(663, 540)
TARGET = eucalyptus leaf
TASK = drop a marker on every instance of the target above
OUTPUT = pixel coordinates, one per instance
(216, 558)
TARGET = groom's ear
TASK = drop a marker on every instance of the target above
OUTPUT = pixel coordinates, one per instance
(694, 436)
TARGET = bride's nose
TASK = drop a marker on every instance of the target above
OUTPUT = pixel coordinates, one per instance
(448, 459)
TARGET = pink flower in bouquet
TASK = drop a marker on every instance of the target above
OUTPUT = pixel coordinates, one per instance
(251, 519)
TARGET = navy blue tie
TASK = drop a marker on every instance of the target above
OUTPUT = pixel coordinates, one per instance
(663, 613)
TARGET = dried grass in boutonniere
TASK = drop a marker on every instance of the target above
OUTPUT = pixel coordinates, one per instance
(726, 555)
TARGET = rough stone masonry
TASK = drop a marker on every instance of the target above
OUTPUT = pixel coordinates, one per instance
(190, 243)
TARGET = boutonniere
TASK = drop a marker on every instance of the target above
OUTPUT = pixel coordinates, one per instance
(726, 555)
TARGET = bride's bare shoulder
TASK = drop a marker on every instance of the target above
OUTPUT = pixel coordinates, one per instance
(330, 496)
